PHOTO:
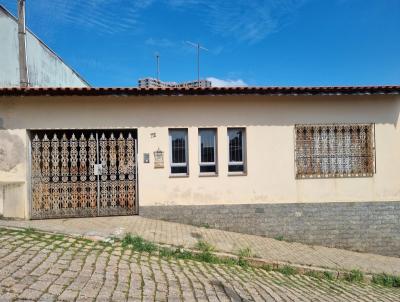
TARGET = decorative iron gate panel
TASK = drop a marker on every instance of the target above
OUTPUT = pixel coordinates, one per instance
(93, 174)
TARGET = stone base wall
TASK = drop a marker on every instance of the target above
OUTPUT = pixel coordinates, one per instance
(366, 227)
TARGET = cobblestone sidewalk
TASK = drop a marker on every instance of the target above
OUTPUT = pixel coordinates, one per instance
(229, 242)
(45, 267)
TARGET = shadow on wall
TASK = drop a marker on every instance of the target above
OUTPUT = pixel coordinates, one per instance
(11, 151)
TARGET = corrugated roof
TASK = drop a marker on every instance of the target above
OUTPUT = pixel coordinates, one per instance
(133, 91)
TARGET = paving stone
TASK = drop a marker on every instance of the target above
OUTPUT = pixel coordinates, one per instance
(56, 289)
(68, 295)
(47, 298)
(63, 281)
(30, 294)
(40, 285)
(8, 296)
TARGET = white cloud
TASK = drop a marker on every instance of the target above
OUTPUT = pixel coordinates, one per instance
(241, 20)
(100, 16)
(162, 43)
(227, 83)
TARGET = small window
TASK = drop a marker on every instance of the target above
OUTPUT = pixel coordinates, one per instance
(335, 150)
(236, 140)
(178, 148)
(208, 150)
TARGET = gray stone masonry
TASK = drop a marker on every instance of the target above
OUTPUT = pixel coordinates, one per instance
(362, 226)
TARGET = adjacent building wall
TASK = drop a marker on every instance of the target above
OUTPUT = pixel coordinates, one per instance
(45, 68)
(13, 173)
(270, 187)
(9, 71)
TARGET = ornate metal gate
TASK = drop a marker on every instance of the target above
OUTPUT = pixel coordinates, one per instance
(83, 173)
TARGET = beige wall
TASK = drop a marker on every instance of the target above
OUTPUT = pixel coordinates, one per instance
(269, 123)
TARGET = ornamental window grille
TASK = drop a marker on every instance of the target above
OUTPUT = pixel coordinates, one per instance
(335, 150)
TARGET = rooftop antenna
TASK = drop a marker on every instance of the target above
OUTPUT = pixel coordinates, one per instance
(198, 47)
(158, 65)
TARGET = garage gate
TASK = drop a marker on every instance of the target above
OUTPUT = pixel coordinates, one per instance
(83, 173)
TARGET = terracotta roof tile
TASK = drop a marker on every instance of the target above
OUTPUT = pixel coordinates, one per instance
(90, 91)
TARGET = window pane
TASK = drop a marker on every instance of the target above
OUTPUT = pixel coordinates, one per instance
(208, 169)
(179, 170)
(235, 168)
(235, 145)
(178, 142)
(207, 145)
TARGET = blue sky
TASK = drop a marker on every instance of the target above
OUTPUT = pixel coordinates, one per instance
(250, 42)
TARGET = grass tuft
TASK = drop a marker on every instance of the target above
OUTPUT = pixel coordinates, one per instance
(328, 275)
(138, 244)
(266, 267)
(204, 246)
(286, 270)
(313, 274)
(245, 253)
(29, 230)
(354, 276)
(386, 280)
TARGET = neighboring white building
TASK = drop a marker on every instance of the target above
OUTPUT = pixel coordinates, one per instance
(45, 68)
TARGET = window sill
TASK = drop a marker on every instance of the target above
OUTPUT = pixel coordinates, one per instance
(178, 175)
(237, 173)
(208, 175)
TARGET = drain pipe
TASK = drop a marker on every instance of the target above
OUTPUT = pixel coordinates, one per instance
(23, 67)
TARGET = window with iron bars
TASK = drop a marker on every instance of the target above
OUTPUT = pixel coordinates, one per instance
(334, 150)
(179, 151)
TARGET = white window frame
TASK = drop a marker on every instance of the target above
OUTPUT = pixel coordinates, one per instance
(185, 164)
(214, 163)
(237, 163)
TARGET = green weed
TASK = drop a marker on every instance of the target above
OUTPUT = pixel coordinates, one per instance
(266, 267)
(206, 257)
(286, 270)
(328, 275)
(204, 246)
(245, 253)
(386, 280)
(354, 276)
(29, 231)
(279, 238)
(138, 244)
(313, 274)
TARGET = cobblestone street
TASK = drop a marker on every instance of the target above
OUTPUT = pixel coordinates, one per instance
(46, 267)
(177, 234)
